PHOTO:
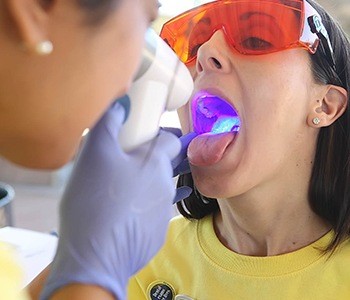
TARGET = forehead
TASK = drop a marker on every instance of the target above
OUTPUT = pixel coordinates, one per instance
(237, 12)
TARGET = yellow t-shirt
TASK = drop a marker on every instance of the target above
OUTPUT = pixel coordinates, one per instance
(10, 276)
(193, 262)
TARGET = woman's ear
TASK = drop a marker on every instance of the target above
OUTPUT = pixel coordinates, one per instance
(327, 110)
(31, 21)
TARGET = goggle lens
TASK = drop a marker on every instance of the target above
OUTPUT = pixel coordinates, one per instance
(250, 27)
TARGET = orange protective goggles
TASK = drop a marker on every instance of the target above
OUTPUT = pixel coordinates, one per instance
(251, 27)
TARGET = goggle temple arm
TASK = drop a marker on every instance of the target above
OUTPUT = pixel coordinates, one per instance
(318, 28)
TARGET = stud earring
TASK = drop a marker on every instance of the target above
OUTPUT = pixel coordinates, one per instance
(316, 121)
(44, 48)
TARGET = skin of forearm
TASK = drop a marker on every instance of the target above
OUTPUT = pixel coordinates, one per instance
(72, 291)
(80, 291)
(35, 287)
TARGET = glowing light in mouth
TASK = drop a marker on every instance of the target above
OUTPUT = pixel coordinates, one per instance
(212, 114)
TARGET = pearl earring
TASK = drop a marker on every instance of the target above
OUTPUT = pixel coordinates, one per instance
(44, 48)
(316, 121)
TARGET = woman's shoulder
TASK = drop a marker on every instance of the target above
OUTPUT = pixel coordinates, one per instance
(337, 266)
(342, 253)
(174, 257)
(180, 226)
(181, 223)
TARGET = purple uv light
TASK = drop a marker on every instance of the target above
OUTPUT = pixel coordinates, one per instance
(212, 114)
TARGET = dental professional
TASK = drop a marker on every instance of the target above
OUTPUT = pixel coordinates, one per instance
(62, 64)
(269, 217)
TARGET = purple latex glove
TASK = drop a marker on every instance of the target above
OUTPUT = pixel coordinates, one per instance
(115, 210)
(180, 162)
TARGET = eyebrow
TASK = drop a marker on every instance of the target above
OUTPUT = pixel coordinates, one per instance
(247, 15)
(205, 20)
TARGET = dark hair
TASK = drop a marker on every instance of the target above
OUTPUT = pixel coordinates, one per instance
(94, 4)
(329, 190)
(97, 10)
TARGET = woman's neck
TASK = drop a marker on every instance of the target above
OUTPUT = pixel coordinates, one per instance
(266, 224)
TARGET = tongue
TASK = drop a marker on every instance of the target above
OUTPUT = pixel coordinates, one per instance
(208, 149)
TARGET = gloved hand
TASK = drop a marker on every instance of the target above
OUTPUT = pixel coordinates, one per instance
(115, 209)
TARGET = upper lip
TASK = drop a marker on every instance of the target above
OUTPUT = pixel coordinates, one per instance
(215, 92)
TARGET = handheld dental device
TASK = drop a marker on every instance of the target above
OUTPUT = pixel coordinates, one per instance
(163, 83)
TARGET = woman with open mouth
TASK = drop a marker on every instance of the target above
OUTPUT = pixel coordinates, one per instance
(269, 216)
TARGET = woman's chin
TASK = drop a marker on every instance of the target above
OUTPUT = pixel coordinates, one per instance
(209, 191)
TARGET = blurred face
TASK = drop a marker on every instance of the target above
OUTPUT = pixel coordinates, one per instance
(47, 102)
(272, 95)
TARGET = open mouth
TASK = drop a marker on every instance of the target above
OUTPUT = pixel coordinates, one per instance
(212, 114)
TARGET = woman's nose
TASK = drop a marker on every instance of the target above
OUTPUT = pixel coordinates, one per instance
(213, 55)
